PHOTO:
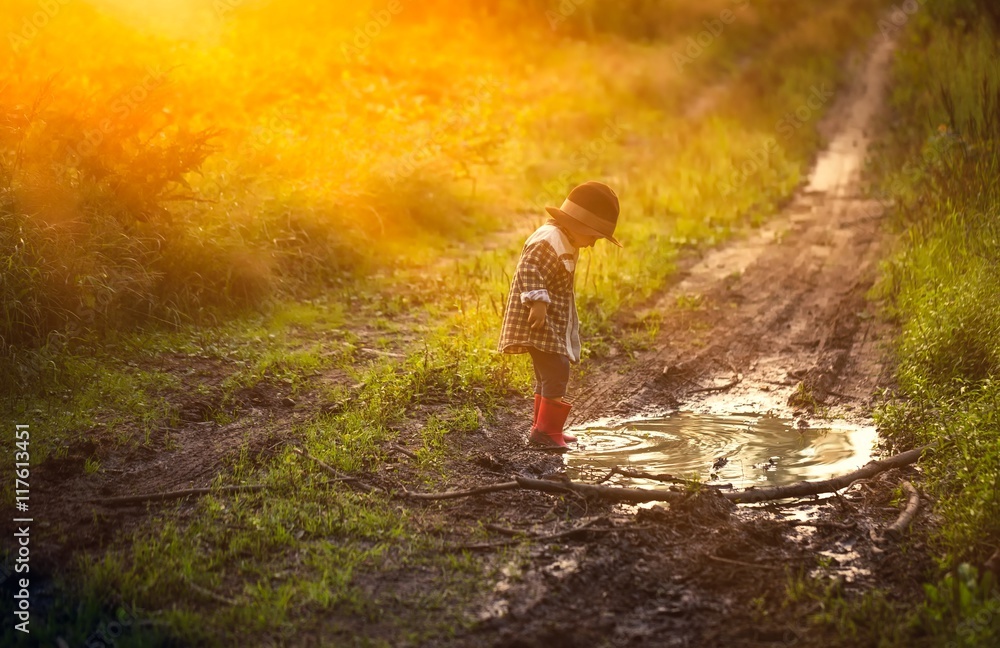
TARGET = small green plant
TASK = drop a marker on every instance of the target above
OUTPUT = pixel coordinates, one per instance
(759, 609)
(802, 397)
(689, 302)
(432, 446)
(963, 608)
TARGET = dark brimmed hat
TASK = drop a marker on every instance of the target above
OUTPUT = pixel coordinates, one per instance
(592, 207)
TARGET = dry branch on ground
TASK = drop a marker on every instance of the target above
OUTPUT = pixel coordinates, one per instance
(462, 493)
(639, 495)
(896, 529)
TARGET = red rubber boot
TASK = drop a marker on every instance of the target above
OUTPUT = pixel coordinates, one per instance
(568, 438)
(548, 430)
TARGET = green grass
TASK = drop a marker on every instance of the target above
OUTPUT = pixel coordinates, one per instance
(250, 541)
(438, 434)
(944, 279)
(100, 399)
(939, 164)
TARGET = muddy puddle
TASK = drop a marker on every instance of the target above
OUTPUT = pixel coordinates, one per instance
(738, 449)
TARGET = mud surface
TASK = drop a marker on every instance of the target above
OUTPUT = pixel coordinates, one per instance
(781, 324)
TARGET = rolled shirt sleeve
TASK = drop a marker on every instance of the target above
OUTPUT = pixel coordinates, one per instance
(536, 295)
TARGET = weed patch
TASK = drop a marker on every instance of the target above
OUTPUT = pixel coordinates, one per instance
(940, 167)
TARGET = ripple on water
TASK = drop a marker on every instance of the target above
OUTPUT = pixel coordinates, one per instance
(758, 449)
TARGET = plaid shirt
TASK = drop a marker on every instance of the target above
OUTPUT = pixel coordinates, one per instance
(545, 272)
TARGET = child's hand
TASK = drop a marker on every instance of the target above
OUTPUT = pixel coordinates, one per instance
(536, 316)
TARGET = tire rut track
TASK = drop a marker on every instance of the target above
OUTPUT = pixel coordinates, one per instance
(789, 300)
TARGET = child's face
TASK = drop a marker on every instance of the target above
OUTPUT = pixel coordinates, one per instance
(582, 239)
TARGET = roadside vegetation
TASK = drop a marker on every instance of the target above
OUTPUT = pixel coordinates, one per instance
(268, 202)
(938, 171)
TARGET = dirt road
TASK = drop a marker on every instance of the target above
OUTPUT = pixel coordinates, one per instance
(783, 306)
(781, 322)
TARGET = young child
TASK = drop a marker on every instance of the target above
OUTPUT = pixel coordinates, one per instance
(540, 318)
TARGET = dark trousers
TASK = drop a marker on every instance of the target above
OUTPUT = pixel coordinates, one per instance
(551, 373)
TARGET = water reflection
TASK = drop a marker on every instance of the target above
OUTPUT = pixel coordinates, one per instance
(743, 450)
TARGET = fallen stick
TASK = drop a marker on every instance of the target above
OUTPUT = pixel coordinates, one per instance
(462, 493)
(749, 496)
(814, 501)
(177, 494)
(896, 529)
(403, 451)
(640, 474)
(633, 495)
(805, 488)
(611, 473)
